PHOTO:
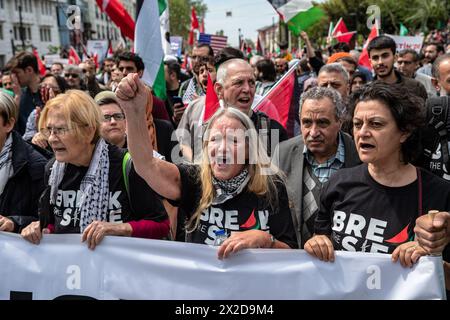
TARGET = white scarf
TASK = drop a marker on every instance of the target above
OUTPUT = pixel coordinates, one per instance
(6, 169)
(94, 187)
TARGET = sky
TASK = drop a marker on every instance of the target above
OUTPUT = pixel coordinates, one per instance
(248, 15)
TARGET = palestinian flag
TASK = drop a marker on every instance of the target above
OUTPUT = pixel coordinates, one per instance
(148, 43)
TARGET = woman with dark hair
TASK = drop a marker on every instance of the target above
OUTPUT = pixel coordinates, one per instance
(265, 76)
(373, 207)
(357, 80)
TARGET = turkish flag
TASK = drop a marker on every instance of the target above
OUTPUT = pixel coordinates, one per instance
(41, 65)
(117, 13)
(74, 58)
(364, 58)
(340, 32)
(194, 20)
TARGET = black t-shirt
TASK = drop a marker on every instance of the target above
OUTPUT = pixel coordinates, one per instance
(362, 215)
(245, 211)
(65, 215)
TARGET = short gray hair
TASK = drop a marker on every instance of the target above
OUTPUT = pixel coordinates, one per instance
(437, 63)
(221, 75)
(72, 68)
(319, 93)
(335, 67)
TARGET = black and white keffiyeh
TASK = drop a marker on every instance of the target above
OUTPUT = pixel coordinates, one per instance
(227, 189)
(94, 186)
(6, 169)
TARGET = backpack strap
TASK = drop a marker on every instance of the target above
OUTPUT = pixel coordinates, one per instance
(126, 169)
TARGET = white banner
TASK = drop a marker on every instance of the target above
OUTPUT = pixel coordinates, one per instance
(130, 268)
(406, 42)
(99, 47)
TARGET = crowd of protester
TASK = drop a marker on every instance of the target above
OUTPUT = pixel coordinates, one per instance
(96, 152)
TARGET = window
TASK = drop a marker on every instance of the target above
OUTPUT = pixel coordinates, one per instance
(2, 5)
(96, 12)
(26, 32)
(98, 32)
(46, 34)
(103, 32)
(30, 5)
(1, 31)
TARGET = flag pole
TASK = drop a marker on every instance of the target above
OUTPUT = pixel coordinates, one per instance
(287, 74)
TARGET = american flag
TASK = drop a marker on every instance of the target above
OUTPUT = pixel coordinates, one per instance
(216, 42)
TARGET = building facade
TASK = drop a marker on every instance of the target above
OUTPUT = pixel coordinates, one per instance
(45, 27)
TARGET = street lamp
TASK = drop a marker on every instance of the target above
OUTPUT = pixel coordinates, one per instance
(21, 31)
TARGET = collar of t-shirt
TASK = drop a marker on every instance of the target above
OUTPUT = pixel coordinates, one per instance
(333, 163)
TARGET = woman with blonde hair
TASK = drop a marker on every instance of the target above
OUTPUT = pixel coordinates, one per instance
(87, 190)
(21, 172)
(234, 189)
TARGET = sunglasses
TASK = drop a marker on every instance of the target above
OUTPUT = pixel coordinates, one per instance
(73, 75)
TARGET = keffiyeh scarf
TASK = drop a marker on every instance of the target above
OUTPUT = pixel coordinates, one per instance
(228, 189)
(94, 186)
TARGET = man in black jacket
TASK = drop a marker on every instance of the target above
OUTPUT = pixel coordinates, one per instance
(21, 172)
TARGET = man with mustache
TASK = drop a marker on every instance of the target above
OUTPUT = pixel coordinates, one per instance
(382, 54)
(310, 159)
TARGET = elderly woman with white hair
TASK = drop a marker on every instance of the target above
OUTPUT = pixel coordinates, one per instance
(21, 172)
(234, 189)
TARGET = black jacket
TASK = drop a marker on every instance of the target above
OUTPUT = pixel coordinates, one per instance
(19, 200)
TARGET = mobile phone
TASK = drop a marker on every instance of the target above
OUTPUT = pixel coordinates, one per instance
(177, 99)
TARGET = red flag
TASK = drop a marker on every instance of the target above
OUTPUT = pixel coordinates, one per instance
(211, 101)
(364, 58)
(340, 32)
(281, 95)
(202, 26)
(191, 38)
(117, 13)
(41, 66)
(95, 57)
(194, 20)
(73, 56)
(110, 52)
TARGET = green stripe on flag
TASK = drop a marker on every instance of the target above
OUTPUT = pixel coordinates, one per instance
(159, 86)
(305, 19)
(162, 5)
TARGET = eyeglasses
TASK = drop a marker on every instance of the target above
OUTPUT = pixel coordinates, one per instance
(73, 75)
(116, 116)
(59, 132)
